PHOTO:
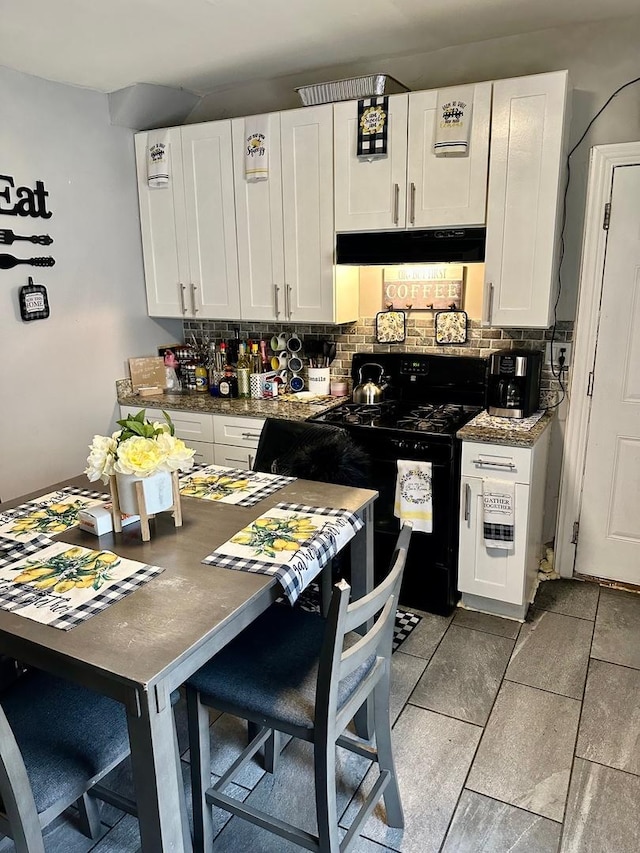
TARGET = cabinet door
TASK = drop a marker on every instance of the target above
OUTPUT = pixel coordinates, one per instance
(447, 190)
(233, 457)
(211, 224)
(307, 195)
(491, 572)
(164, 231)
(370, 195)
(259, 226)
(526, 184)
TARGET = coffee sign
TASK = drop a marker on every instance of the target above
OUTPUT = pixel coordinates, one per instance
(429, 287)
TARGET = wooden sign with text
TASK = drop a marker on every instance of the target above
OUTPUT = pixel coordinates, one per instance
(434, 286)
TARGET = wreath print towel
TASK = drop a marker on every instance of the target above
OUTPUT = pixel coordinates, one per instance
(256, 149)
(499, 510)
(291, 541)
(413, 495)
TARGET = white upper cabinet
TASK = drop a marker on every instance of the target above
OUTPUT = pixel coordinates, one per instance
(411, 187)
(211, 231)
(526, 184)
(307, 199)
(370, 195)
(260, 229)
(188, 227)
(285, 224)
(164, 231)
(444, 191)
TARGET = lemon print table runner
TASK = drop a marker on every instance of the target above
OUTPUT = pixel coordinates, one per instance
(291, 541)
(230, 485)
(52, 513)
(61, 585)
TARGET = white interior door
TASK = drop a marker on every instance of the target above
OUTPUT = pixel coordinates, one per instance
(609, 533)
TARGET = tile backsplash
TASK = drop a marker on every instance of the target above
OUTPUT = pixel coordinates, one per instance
(359, 336)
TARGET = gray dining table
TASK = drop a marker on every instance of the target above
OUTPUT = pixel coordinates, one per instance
(144, 646)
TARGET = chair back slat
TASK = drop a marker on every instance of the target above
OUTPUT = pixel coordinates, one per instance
(336, 663)
(16, 794)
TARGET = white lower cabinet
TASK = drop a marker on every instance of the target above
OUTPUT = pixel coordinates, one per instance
(493, 580)
(236, 440)
(217, 439)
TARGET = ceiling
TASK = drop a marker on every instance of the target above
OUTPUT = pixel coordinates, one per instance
(202, 45)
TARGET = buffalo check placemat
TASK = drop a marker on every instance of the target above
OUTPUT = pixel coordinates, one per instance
(63, 584)
(231, 485)
(291, 541)
(54, 512)
(12, 550)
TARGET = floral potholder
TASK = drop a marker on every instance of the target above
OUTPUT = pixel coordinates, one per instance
(451, 327)
(391, 327)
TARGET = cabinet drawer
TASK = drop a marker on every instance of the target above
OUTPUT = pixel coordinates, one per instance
(512, 464)
(189, 426)
(240, 432)
(233, 457)
(204, 452)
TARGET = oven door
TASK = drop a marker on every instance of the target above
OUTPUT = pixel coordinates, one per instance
(430, 576)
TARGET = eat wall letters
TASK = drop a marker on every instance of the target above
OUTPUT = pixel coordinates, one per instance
(23, 201)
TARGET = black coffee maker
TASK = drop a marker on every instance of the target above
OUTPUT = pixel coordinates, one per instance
(513, 389)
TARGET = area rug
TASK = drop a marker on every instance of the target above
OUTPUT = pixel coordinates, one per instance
(406, 621)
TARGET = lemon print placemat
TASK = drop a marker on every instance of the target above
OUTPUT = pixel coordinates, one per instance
(51, 513)
(230, 485)
(292, 541)
(62, 585)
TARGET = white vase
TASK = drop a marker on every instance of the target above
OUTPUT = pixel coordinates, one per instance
(158, 492)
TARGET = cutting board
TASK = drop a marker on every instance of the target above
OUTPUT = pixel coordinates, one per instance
(147, 372)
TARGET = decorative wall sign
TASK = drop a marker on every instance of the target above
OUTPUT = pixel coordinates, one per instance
(34, 304)
(425, 287)
(23, 201)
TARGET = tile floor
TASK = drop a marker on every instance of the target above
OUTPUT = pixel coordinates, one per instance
(509, 737)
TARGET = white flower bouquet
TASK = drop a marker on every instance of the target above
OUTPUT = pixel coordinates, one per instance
(140, 448)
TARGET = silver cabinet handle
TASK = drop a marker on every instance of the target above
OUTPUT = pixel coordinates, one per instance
(233, 459)
(482, 462)
(396, 203)
(288, 300)
(193, 298)
(467, 501)
(252, 459)
(250, 434)
(181, 289)
(412, 215)
(489, 303)
(275, 300)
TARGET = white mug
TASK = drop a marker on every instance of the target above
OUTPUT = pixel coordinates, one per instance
(295, 363)
(283, 358)
(279, 342)
(294, 344)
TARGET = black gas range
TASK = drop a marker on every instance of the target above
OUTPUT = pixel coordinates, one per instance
(427, 399)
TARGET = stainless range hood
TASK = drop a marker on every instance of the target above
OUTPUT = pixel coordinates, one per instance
(437, 245)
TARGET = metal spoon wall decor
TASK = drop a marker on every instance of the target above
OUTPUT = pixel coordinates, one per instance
(7, 262)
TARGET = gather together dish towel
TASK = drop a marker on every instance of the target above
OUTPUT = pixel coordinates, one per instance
(453, 121)
(373, 128)
(498, 502)
(414, 494)
(158, 168)
(256, 148)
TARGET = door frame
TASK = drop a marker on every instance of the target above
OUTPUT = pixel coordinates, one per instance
(604, 159)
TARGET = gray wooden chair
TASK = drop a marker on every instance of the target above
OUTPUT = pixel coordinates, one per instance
(57, 740)
(294, 672)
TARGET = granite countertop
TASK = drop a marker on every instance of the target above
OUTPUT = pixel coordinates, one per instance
(287, 406)
(507, 431)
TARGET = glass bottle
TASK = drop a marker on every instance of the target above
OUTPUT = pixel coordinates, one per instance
(263, 355)
(256, 361)
(229, 383)
(243, 370)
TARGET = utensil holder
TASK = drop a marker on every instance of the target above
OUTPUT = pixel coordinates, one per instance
(320, 380)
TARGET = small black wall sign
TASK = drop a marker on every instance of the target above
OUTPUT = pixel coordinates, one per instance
(23, 201)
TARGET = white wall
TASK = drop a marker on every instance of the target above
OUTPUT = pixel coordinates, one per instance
(58, 375)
